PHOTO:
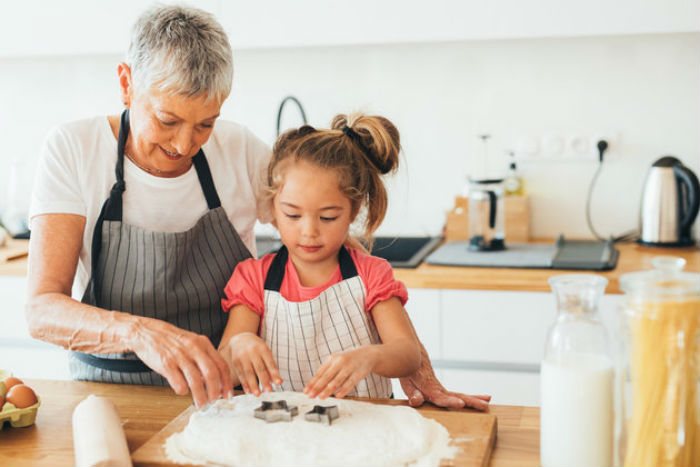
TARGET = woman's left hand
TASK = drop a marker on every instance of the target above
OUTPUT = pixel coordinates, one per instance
(340, 373)
(424, 386)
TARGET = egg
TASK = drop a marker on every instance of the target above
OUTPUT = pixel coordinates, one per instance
(21, 396)
(11, 381)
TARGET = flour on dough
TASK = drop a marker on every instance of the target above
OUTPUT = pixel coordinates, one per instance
(228, 434)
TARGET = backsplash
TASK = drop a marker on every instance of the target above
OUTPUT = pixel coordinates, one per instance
(642, 90)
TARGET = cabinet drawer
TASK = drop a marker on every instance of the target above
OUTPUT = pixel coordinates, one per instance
(489, 326)
(505, 387)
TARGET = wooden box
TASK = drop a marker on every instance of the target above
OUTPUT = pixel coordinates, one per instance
(517, 219)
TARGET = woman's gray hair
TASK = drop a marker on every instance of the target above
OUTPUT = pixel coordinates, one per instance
(181, 50)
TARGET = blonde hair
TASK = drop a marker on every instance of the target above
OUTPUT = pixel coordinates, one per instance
(359, 148)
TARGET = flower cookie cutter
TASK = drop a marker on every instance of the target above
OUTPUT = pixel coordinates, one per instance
(322, 414)
(275, 411)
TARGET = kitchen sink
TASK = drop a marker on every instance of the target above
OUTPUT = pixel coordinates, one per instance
(401, 252)
(404, 252)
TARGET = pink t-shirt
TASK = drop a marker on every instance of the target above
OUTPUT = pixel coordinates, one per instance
(247, 284)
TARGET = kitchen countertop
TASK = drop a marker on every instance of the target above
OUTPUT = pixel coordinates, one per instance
(145, 410)
(633, 257)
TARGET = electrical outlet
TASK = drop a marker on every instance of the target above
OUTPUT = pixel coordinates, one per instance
(575, 145)
(579, 145)
(527, 147)
(553, 145)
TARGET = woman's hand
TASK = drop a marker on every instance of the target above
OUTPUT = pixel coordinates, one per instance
(252, 360)
(183, 358)
(423, 386)
(341, 372)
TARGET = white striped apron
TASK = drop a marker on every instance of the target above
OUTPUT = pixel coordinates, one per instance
(177, 277)
(302, 335)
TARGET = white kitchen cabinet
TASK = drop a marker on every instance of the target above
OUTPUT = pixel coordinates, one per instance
(492, 341)
(506, 327)
(424, 309)
(71, 27)
(496, 326)
(504, 387)
(19, 353)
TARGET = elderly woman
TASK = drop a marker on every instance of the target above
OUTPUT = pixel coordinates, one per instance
(143, 217)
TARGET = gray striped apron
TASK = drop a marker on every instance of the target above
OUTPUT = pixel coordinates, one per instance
(302, 335)
(176, 277)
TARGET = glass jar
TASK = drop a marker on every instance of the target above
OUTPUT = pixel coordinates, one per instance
(576, 378)
(661, 365)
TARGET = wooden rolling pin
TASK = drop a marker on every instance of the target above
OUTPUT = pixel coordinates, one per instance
(98, 437)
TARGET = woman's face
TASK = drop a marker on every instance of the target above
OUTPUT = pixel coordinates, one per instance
(167, 130)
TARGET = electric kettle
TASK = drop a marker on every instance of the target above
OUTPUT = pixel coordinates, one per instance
(670, 203)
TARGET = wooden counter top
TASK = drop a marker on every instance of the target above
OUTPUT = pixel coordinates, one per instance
(146, 410)
(633, 257)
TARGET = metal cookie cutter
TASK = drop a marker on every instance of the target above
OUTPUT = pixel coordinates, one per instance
(274, 411)
(323, 414)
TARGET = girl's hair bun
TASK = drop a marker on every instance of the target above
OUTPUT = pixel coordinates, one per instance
(377, 136)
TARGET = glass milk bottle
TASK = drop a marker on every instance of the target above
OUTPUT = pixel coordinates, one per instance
(576, 378)
(661, 326)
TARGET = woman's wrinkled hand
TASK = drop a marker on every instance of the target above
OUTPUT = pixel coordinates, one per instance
(185, 359)
(340, 373)
(424, 386)
(252, 361)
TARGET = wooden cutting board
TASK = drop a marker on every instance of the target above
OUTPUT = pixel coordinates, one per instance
(13, 249)
(473, 433)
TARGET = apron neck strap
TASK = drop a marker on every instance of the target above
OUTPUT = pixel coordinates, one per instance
(112, 208)
(205, 180)
(273, 280)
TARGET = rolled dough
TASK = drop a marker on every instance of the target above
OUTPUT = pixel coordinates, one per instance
(228, 434)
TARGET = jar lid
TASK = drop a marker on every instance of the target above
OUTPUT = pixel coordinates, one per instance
(667, 279)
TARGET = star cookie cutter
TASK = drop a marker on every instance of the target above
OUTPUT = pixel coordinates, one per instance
(323, 414)
(274, 411)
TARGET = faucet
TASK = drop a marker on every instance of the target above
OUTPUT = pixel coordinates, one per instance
(279, 112)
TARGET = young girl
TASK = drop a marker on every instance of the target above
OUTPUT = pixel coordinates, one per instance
(320, 316)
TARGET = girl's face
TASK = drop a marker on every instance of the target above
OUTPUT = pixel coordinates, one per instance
(312, 214)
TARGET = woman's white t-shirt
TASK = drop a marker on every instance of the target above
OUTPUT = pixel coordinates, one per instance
(76, 173)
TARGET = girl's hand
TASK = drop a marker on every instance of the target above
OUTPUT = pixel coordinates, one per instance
(252, 360)
(341, 372)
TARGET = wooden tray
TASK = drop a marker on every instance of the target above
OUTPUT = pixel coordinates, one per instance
(473, 433)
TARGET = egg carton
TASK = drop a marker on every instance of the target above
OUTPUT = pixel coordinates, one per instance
(18, 418)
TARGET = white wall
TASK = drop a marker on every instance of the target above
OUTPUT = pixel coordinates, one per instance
(643, 90)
